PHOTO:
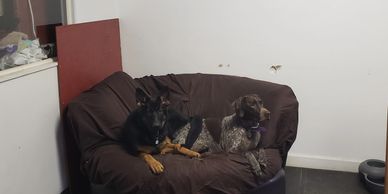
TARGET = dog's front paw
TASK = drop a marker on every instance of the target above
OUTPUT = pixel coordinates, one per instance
(196, 155)
(258, 172)
(189, 152)
(156, 167)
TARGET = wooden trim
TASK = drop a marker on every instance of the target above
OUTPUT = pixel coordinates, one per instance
(69, 12)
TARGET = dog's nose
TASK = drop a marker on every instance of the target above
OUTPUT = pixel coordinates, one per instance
(156, 126)
(267, 115)
(158, 123)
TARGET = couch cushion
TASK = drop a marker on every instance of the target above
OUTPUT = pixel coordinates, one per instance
(112, 166)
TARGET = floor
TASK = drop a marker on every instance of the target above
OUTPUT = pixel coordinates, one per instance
(311, 181)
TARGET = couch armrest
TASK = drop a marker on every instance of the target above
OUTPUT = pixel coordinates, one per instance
(282, 127)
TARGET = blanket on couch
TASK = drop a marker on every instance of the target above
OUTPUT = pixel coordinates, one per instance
(97, 115)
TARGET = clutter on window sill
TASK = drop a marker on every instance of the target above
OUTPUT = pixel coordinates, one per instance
(17, 50)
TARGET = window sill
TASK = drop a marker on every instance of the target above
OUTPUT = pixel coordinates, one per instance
(23, 70)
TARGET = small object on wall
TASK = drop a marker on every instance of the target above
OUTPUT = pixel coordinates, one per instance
(274, 68)
(372, 174)
(222, 65)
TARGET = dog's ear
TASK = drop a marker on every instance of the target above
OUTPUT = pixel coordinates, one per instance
(141, 97)
(164, 96)
(237, 107)
(257, 99)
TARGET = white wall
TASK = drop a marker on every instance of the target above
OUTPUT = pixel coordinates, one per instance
(92, 10)
(334, 56)
(31, 140)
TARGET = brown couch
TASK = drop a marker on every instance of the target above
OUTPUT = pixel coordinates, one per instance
(96, 116)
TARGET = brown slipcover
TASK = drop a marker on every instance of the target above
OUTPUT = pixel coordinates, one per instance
(96, 117)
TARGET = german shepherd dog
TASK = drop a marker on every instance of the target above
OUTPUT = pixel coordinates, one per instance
(149, 128)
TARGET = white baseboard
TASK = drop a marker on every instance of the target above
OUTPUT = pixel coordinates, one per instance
(324, 163)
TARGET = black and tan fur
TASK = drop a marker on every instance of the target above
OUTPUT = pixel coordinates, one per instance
(148, 129)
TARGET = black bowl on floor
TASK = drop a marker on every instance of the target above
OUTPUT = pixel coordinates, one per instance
(372, 174)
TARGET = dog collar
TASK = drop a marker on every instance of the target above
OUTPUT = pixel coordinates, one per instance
(258, 128)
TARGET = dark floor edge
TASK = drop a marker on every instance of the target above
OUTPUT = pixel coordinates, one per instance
(66, 191)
